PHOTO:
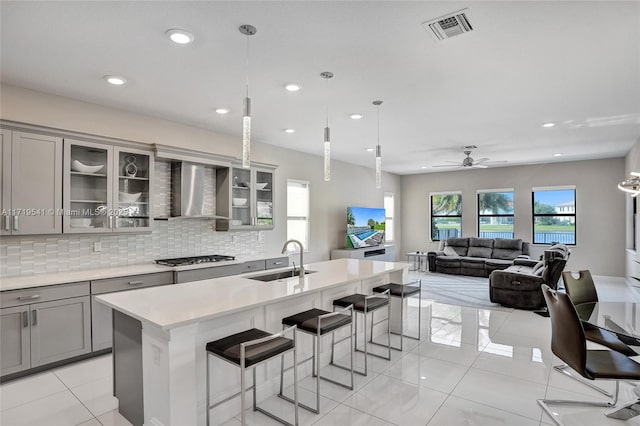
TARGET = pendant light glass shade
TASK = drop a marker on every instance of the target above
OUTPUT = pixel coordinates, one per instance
(631, 185)
(246, 134)
(327, 133)
(247, 30)
(378, 150)
(327, 154)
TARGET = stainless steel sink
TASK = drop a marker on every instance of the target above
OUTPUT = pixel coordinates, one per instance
(274, 276)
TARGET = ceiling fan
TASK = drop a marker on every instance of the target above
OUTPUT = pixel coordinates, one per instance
(469, 162)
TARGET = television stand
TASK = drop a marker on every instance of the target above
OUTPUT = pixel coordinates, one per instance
(383, 252)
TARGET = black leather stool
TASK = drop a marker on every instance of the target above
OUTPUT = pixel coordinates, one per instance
(402, 291)
(365, 304)
(317, 323)
(249, 349)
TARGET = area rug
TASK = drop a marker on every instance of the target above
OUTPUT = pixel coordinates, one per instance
(458, 290)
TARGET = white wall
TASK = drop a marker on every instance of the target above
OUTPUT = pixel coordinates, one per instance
(350, 185)
(600, 207)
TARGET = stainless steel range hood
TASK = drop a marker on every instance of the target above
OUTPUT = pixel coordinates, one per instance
(187, 192)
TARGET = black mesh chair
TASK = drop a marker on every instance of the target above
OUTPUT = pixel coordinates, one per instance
(403, 291)
(368, 304)
(569, 343)
(248, 349)
(317, 323)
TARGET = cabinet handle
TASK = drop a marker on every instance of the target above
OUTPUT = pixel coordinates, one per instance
(34, 317)
(25, 319)
(6, 225)
(16, 223)
(135, 282)
(278, 263)
(31, 297)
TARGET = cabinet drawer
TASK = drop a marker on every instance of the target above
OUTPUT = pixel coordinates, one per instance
(254, 265)
(277, 262)
(131, 282)
(43, 294)
(219, 271)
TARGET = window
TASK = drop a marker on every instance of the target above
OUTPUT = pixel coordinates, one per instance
(446, 215)
(554, 215)
(298, 211)
(495, 213)
(388, 220)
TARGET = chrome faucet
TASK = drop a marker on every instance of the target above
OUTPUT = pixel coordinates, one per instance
(284, 250)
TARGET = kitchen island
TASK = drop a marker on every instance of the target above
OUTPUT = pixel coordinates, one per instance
(160, 334)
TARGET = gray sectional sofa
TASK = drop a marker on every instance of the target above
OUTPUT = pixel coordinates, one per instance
(476, 256)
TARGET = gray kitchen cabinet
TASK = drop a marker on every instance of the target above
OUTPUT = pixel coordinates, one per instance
(277, 262)
(219, 271)
(101, 315)
(106, 188)
(14, 336)
(31, 173)
(43, 325)
(250, 199)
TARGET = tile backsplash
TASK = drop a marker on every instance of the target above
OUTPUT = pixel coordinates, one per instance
(26, 255)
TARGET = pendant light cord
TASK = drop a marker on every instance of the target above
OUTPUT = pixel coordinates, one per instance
(247, 80)
(327, 105)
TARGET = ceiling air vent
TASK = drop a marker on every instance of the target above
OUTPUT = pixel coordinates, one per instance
(450, 25)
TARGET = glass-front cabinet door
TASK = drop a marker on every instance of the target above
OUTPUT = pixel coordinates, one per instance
(106, 188)
(241, 198)
(87, 195)
(132, 194)
(264, 198)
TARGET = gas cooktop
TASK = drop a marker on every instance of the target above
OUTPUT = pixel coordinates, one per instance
(182, 261)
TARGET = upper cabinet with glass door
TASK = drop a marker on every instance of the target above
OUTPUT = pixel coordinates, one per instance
(106, 188)
(251, 198)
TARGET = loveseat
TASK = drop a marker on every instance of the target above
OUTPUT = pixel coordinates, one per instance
(519, 286)
(476, 256)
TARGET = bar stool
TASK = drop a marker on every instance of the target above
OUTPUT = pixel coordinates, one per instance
(364, 304)
(317, 323)
(249, 349)
(402, 291)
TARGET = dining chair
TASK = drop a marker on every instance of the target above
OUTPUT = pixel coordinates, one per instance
(569, 343)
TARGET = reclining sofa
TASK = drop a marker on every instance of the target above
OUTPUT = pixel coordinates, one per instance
(520, 286)
(477, 257)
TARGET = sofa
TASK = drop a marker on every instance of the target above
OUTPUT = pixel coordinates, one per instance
(519, 286)
(477, 257)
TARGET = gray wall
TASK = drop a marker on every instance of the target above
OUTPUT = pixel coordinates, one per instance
(600, 206)
(350, 185)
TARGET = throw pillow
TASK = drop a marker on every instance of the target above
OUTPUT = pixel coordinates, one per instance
(449, 251)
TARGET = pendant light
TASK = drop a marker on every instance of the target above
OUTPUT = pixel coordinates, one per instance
(247, 30)
(631, 185)
(327, 136)
(378, 150)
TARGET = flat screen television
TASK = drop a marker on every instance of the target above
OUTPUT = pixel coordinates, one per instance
(365, 227)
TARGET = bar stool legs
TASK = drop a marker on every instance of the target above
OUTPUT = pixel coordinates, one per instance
(316, 323)
(403, 291)
(248, 350)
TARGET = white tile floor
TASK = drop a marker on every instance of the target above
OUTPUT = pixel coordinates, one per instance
(472, 367)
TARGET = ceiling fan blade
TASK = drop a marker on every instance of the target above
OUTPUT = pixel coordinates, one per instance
(479, 166)
(482, 160)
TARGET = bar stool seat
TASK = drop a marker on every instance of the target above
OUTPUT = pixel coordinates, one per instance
(358, 302)
(402, 291)
(318, 322)
(248, 349)
(229, 347)
(366, 304)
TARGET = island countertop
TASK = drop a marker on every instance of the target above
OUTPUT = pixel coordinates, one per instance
(173, 306)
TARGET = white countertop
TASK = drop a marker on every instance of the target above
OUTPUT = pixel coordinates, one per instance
(39, 280)
(176, 305)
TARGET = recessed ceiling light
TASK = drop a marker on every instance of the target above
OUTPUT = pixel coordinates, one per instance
(424, 167)
(557, 154)
(550, 124)
(370, 149)
(222, 111)
(115, 80)
(179, 36)
(356, 116)
(290, 131)
(292, 87)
